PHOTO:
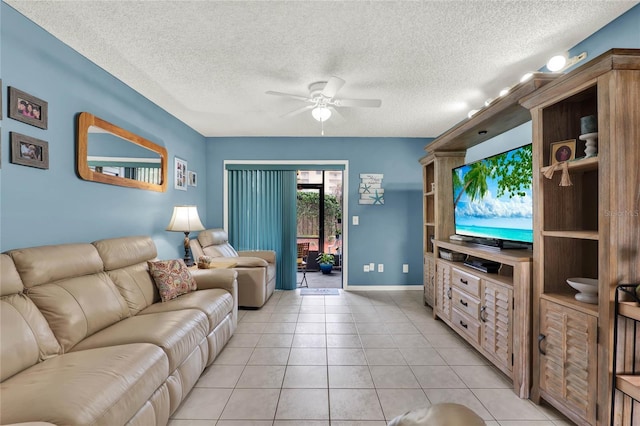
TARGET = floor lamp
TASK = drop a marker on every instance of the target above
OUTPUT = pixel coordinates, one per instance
(185, 219)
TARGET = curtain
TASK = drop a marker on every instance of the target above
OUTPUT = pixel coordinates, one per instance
(262, 216)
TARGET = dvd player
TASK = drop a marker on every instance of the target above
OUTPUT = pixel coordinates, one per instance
(483, 265)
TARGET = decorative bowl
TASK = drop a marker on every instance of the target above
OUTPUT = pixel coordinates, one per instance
(587, 289)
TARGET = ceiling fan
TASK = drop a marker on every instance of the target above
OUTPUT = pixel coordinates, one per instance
(322, 101)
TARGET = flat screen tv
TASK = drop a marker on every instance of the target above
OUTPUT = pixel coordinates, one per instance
(493, 200)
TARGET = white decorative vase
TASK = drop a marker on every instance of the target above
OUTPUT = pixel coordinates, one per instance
(592, 143)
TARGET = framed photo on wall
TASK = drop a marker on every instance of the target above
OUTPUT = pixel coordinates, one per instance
(180, 175)
(28, 151)
(28, 109)
(562, 151)
(193, 178)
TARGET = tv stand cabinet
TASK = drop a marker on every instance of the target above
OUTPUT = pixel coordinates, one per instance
(491, 311)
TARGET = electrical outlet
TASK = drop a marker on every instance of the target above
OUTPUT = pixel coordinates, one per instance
(380, 267)
(366, 268)
(356, 220)
(372, 267)
(405, 268)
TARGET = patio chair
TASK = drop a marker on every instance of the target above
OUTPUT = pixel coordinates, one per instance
(303, 257)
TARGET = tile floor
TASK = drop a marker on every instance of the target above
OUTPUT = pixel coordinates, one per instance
(357, 359)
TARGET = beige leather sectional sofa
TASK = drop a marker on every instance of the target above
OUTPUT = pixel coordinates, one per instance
(256, 268)
(85, 339)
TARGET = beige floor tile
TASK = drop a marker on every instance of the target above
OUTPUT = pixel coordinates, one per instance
(251, 404)
(341, 328)
(393, 376)
(366, 317)
(346, 356)
(280, 328)
(446, 340)
(354, 404)
(372, 328)
(377, 341)
(462, 356)
(337, 309)
(349, 377)
(306, 376)
(220, 376)
(503, 404)
(275, 341)
(313, 300)
(192, 423)
(301, 423)
(310, 327)
(269, 356)
(422, 356)
(308, 356)
(286, 309)
(244, 423)
(283, 317)
(358, 423)
(459, 396)
(234, 356)
(398, 401)
(411, 341)
(482, 377)
(203, 403)
(303, 404)
(437, 377)
(395, 328)
(262, 376)
(343, 341)
(527, 423)
(339, 318)
(256, 316)
(247, 340)
(312, 309)
(249, 327)
(311, 318)
(309, 341)
(384, 357)
(364, 308)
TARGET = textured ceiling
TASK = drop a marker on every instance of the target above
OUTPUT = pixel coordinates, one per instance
(209, 63)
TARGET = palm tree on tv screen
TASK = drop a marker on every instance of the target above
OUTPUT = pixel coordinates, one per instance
(513, 171)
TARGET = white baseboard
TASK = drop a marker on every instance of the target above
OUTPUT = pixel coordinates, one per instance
(416, 287)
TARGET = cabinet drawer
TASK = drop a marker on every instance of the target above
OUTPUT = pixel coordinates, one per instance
(466, 282)
(469, 327)
(465, 303)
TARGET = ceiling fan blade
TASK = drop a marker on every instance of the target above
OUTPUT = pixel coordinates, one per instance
(298, 111)
(288, 95)
(333, 85)
(366, 103)
(336, 116)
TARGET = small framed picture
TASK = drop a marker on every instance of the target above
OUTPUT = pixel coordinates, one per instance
(28, 151)
(180, 175)
(28, 109)
(563, 151)
(193, 178)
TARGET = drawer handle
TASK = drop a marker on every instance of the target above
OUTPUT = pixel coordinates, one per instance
(463, 303)
(541, 337)
(465, 282)
(449, 293)
(483, 314)
(463, 324)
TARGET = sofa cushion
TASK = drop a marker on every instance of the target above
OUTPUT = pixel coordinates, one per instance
(172, 278)
(178, 333)
(68, 286)
(105, 386)
(130, 274)
(215, 304)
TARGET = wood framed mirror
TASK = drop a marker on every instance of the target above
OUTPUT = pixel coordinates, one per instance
(110, 154)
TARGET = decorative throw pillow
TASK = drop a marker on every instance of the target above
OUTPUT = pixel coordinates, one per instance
(172, 278)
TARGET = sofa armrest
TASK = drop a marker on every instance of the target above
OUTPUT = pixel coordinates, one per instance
(225, 279)
(196, 249)
(268, 255)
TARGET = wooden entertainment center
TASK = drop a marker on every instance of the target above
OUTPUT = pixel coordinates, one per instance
(525, 318)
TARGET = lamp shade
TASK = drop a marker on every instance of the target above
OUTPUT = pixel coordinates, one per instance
(185, 219)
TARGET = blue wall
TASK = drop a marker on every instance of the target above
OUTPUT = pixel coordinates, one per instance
(55, 206)
(388, 234)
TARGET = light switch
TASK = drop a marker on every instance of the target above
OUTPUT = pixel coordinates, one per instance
(356, 220)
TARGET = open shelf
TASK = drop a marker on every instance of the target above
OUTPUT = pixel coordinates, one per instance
(580, 235)
(579, 165)
(568, 300)
(629, 310)
(629, 384)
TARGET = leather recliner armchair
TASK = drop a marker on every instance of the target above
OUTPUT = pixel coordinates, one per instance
(256, 268)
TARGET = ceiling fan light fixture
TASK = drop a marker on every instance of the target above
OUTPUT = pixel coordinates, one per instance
(321, 113)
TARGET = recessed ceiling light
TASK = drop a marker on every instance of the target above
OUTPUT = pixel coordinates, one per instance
(472, 113)
(504, 91)
(526, 77)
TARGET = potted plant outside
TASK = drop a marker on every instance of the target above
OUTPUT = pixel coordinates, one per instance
(326, 261)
